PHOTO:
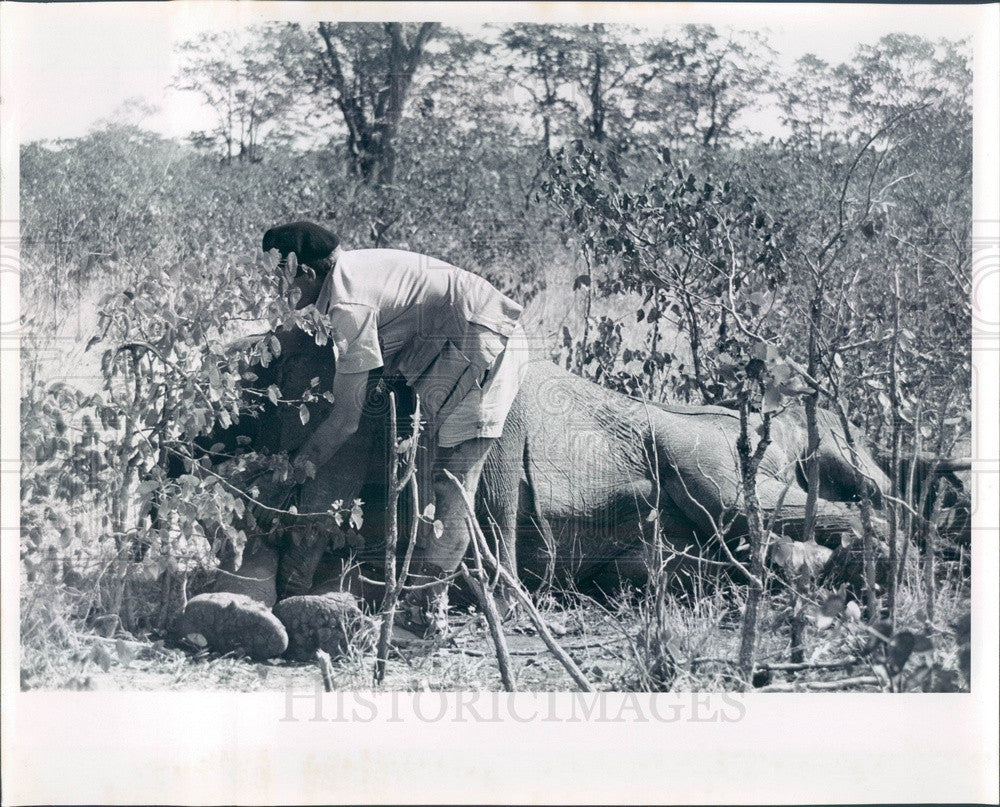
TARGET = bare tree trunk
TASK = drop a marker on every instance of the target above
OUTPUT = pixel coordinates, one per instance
(372, 136)
(798, 625)
(396, 485)
(597, 98)
(894, 474)
(749, 462)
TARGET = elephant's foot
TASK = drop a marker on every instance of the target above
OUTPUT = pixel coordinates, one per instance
(230, 622)
(331, 622)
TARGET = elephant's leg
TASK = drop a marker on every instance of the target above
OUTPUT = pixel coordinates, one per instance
(332, 622)
(339, 480)
(498, 502)
(256, 575)
(300, 556)
(235, 616)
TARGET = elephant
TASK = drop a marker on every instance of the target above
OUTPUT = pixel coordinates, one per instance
(575, 487)
(583, 475)
(936, 489)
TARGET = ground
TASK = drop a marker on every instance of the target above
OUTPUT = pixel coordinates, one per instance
(604, 641)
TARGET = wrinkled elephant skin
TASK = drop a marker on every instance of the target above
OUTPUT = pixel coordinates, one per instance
(581, 475)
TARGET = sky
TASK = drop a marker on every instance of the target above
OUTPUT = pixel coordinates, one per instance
(73, 66)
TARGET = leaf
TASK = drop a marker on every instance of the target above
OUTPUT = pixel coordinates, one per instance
(304, 414)
(653, 515)
(853, 611)
(102, 657)
(833, 604)
(273, 394)
(147, 487)
(581, 280)
(901, 648)
(357, 519)
(214, 379)
(438, 528)
(823, 622)
(125, 653)
(275, 345)
(772, 399)
(429, 511)
(197, 640)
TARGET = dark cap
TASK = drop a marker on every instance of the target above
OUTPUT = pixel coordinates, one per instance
(311, 243)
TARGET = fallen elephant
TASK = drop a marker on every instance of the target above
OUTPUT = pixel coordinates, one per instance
(576, 486)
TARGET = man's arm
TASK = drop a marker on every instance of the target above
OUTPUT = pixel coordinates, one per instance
(348, 400)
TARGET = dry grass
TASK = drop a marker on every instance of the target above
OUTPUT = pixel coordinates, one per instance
(62, 649)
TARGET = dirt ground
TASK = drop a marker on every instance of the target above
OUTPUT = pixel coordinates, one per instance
(604, 644)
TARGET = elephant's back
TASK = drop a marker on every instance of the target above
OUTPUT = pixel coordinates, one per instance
(549, 391)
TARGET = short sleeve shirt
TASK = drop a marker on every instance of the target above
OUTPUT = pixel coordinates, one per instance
(355, 334)
(399, 309)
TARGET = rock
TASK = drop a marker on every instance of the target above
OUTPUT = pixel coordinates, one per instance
(330, 622)
(233, 622)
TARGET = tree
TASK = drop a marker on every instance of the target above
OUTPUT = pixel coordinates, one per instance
(881, 211)
(364, 71)
(548, 68)
(813, 101)
(698, 84)
(243, 82)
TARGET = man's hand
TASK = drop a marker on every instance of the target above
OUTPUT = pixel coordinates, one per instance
(332, 433)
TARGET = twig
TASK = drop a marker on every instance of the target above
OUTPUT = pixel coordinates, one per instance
(325, 669)
(480, 654)
(823, 686)
(489, 606)
(522, 596)
(810, 665)
(397, 484)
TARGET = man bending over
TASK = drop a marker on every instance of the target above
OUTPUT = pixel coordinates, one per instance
(453, 337)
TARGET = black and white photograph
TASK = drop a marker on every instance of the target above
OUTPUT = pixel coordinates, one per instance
(606, 365)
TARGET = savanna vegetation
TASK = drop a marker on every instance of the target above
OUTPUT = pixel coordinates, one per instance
(606, 177)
